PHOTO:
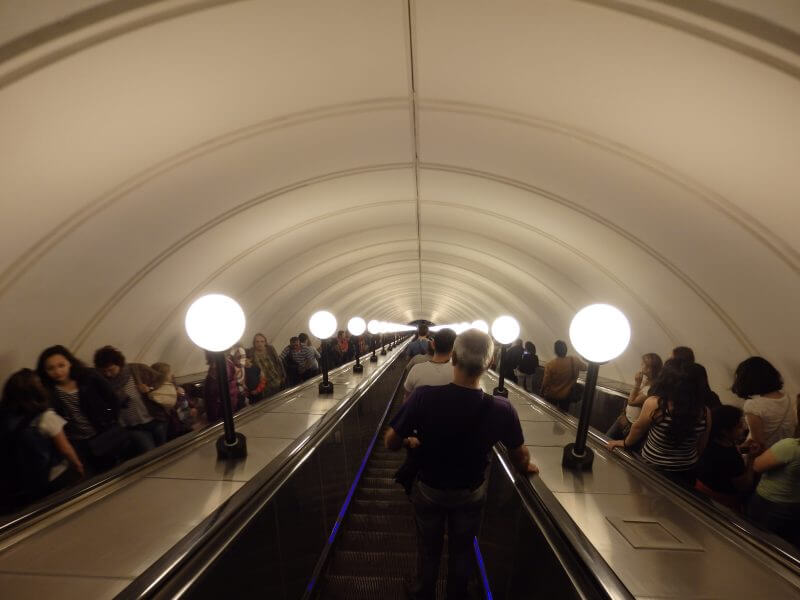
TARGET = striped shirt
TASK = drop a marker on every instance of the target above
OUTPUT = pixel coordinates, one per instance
(664, 452)
(133, 411)
(305, 358)
(78, 426)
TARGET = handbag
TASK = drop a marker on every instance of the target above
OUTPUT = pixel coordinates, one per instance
(109, 442)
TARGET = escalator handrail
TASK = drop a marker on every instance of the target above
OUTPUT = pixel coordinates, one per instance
(583, 563)
(176, 571)
(15, 522)
(743, 530)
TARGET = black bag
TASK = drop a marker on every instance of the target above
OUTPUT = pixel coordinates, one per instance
(111, 442)
(31, 454)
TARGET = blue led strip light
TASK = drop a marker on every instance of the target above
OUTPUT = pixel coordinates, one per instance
(349, 497)
(482, 568)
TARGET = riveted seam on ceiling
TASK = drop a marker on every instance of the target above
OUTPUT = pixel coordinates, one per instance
(36, 251)
(412, 83)
(748, 222)
(715, 308)
(151, 265)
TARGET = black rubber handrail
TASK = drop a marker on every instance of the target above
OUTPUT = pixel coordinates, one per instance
(176, 571)
(743, 530)
(589, 572)
(13, 523)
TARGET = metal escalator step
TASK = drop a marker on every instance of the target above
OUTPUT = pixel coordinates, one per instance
(368, 588)
(385, 464)
(387, 523)
(369, 493)
(377, 541)
(368, 506)
(373, 564)
(379, 472)
(380, 483)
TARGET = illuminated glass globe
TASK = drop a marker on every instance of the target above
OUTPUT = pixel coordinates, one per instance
(373, 326)
(600, 332)
(505, 329)
(322, 324)
(215, 322)
(356, 326)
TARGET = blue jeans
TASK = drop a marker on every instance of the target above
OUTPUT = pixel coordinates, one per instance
(147, 436)
(460, 511)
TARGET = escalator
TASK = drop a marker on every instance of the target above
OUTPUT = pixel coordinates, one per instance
(333, 524)
(374, 554)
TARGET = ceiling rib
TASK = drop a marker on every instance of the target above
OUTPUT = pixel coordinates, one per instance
(415, 135)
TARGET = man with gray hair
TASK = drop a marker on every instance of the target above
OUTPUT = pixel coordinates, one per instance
(457, 426)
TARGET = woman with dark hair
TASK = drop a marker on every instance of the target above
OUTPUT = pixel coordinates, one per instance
(264, 356)
(144, 418)
(528, 365)
(699, 375)
(89, 405)
(771, 414)
(35, 451)
(722, 473)
(649, 371)
(776, 504)
(675, 425)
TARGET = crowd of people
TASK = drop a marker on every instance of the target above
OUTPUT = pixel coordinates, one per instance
(65, 420)
(746, 458)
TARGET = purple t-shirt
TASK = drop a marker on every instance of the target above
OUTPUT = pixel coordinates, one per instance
(458, 427)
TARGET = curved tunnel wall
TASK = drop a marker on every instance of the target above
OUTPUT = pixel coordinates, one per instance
(402, 160)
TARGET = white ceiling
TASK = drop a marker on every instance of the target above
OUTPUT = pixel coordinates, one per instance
(539, 156)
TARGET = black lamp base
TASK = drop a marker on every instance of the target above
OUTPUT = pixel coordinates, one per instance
(232, 451)
(502, 392)
(373, 358)
(578, 462)
(383, 351)
(325, 387)
(359, 368)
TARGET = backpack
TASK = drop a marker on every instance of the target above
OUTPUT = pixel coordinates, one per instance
(528, 364)
(27, 455)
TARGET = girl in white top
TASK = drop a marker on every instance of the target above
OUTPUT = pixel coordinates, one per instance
(771, 414)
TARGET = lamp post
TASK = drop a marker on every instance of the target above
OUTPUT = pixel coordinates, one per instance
(383, 338)
(215, 323)
(373, 328)
(599, 333)
(505, 330)
(323, 325)
(356, 326)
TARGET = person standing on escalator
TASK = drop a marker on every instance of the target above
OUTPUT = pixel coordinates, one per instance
(458, 424)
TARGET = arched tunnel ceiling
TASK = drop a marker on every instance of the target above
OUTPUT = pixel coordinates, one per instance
(446, 160)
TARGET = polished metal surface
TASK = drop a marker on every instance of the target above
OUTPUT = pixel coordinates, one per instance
(97, 550)
(665, 549)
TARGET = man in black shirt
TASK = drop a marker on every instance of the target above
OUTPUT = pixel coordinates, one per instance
(455, 427)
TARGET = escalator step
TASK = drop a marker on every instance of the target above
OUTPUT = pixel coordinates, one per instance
(368, 588)
(386, 523)
(369, 493)
(379, 472)
(374, 564)
(396, 506)
(376, 541)
(380, 483)
(385, 464)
